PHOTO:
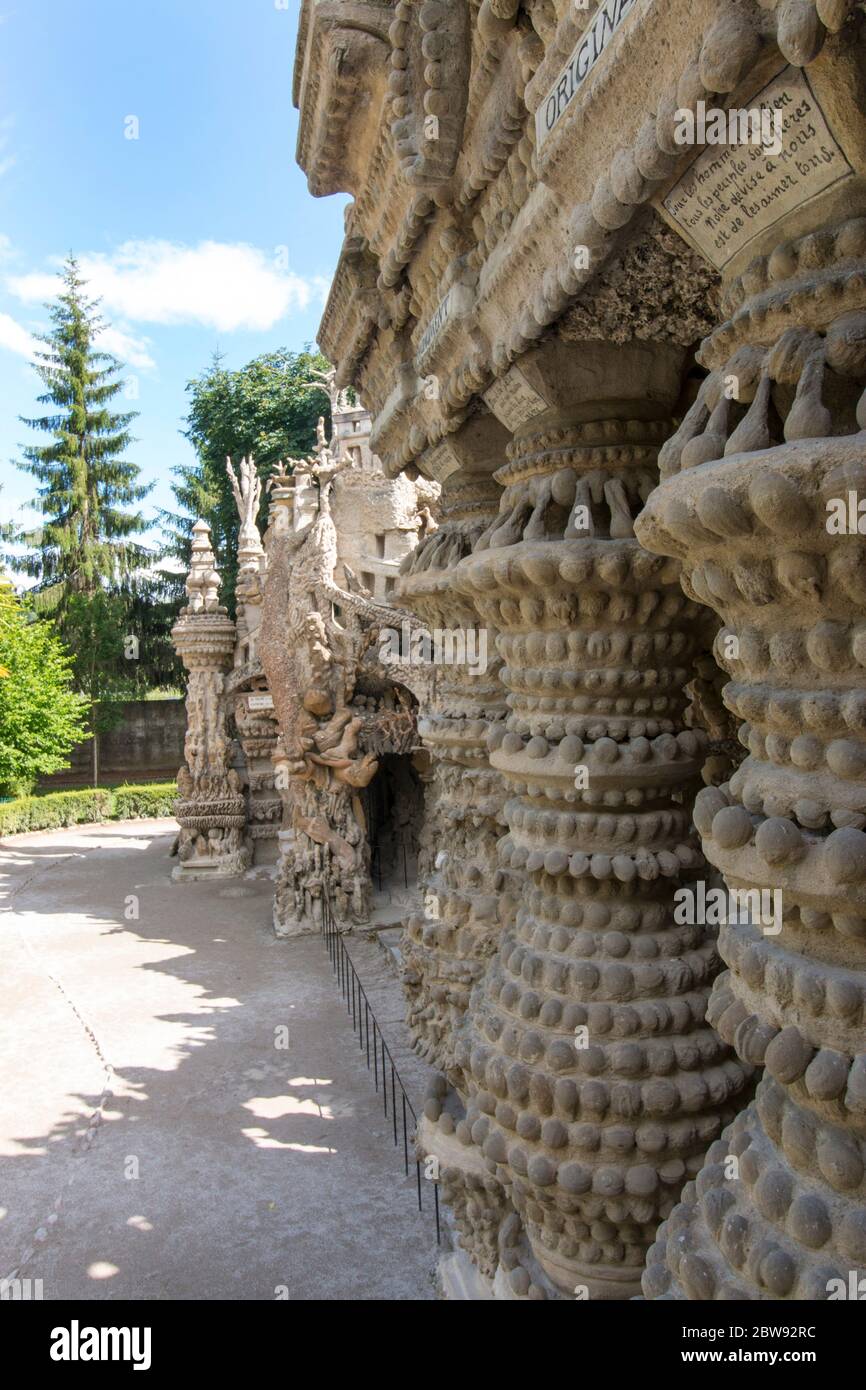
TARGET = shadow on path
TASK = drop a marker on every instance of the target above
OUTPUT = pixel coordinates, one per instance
(158, 1138)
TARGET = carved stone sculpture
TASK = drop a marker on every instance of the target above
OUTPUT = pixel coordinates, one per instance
(595, 1086)
(313, 637)
(538, 233)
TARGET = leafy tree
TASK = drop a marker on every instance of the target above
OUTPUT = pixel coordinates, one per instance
(41, 716)
(269, 409)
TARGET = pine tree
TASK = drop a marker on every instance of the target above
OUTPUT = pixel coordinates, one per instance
(86, 539)
(92, 572)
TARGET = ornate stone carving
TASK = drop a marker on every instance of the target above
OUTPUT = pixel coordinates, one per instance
(746, 504)
(531, 277)
(429, 84)
(466, 895)
(593, 1084)
(313, 638)
(342, 51)
(210, 807)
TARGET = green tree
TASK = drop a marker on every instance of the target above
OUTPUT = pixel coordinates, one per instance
(269, 409)
(87, 535)
(93, 573)
(41, 715)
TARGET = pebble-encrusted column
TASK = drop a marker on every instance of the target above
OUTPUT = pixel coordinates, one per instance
(466, 892)
(595, 1084)
(210, 807)
(760, 501)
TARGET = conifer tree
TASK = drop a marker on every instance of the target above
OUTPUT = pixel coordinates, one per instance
(92, 570)
(87, 535)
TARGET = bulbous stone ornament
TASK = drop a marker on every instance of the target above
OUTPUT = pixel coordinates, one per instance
(778, 1210)
(447, 946)
(594, 1085)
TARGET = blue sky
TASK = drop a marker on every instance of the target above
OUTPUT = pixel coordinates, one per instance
(200, 234)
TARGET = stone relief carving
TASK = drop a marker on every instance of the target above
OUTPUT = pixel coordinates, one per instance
(429, 85)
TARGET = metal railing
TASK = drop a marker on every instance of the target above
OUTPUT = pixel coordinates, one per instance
(371, 1042)
(376, 867)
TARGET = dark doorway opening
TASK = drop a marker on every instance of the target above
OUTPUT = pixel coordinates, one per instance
(394, 810)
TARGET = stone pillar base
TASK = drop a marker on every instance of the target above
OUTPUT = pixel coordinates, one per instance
(199, 868)
(286, 929)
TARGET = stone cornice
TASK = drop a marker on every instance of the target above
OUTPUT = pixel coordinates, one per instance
(342, 47)
(515, 223)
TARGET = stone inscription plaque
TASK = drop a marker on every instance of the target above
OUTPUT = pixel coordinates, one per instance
(436, 324)
(590, 47)
(513, 401)
(255, 702)
(456, 303)
(440, 462)
(733, 192)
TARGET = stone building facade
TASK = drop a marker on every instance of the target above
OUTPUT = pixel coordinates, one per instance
(379, 520)
(632, 350)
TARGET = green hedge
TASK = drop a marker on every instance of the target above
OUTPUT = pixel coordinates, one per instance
(137, 803)
(59, 809)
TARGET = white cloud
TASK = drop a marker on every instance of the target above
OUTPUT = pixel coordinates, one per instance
(221, 285)
(15, 338)
(132, 350)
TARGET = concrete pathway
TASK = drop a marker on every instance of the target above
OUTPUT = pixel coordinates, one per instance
(155, 1140)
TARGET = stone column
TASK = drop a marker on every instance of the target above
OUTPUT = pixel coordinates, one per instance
(760, 502)
(210, 806)
(465, 890)
(594, 1084)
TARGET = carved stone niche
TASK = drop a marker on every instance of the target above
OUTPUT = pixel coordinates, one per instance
(466, 892)
(756, 503)
(594, 1085)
